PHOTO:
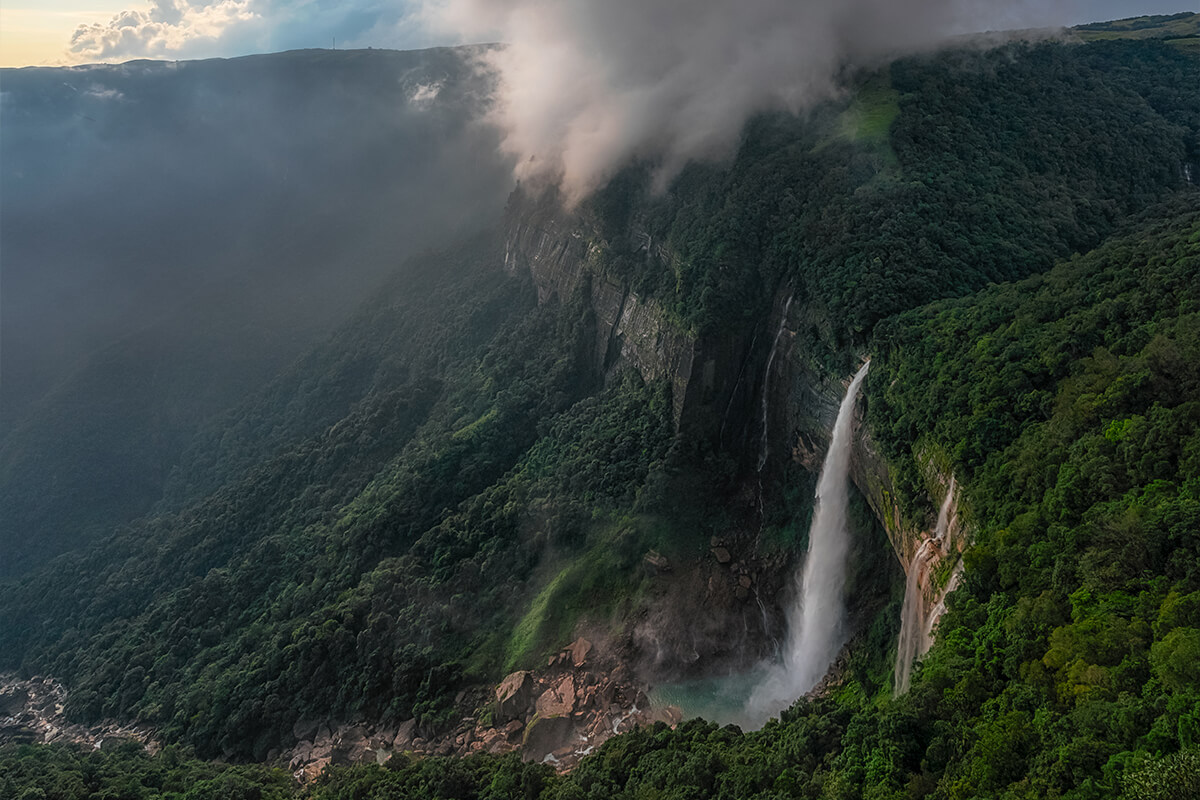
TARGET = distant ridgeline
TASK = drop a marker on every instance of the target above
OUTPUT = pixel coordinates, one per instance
(1180, 30)
(449, 488)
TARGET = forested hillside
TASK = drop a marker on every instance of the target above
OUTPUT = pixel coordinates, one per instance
(993, 164)
(175, 234)
(454, 485)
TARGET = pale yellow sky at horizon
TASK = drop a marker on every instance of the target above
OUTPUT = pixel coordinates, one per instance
(34, 33)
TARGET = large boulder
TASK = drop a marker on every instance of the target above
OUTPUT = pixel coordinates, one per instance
(301, 755)
(13, 700)
(514, 696)
(405, 735)
(559, 699)
(352, 747)
(305, 729)
(545, 735)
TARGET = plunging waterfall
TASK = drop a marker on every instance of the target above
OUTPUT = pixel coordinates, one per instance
(815, 620)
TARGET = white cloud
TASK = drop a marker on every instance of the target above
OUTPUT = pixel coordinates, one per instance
(589, 84)
(424, 94)
(206, 28)
(168, 28)
(103, 93)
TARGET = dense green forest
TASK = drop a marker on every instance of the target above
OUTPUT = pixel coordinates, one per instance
(402, 523)
(1067, 664)
(997, 163)
(446, 487)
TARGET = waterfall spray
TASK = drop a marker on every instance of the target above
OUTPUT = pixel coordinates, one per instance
(766, 387)
(916, 628)
(815, 620)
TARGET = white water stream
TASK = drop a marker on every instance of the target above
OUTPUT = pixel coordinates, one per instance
(816, 629)
(766, 387)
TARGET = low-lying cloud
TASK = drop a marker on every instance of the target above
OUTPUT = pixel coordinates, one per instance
(587, 85)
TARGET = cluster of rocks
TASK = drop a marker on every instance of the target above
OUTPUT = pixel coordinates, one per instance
(741, 573)
(573, 706)
(555, 715)
(31, 711)
(321, 744)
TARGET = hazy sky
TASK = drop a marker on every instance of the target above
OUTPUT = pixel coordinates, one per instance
(81, 31)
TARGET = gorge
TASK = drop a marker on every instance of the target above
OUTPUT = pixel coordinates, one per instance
(471, 534)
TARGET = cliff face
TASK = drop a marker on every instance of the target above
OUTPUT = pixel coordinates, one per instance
(564, 255)
(929, 550)
(733, 387)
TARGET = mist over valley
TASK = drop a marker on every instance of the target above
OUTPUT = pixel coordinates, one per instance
(681, 400)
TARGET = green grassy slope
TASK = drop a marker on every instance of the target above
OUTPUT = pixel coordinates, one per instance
(1173, 27)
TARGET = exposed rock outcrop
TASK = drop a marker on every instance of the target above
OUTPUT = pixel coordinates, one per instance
(513, 695)
(582, 698)
(31, 711)
(564, 255)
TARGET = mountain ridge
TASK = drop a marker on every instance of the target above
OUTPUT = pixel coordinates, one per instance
(493, 457)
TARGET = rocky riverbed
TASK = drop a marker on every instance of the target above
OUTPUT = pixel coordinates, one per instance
(556, 714)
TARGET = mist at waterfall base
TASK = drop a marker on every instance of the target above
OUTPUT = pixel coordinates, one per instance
(816, 611)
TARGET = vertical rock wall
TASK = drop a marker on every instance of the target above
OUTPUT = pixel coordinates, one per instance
(564, 255)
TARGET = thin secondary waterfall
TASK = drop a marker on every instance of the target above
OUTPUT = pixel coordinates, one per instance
(815, 620)
(916, 630)
(766, 387)
(912, 622)
(945, 514)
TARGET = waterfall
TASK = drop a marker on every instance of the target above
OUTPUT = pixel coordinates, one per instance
(815, 626)
(916, 628)
(766, 387)
(912, 623)
(945, 514)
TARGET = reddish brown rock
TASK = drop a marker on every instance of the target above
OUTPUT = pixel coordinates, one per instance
(722, 555)
(514, 696)
(580, 649)
(558, 700)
